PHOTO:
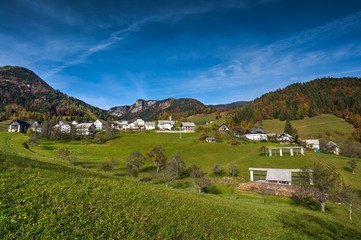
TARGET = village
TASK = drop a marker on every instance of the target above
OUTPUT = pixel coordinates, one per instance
(287, 144)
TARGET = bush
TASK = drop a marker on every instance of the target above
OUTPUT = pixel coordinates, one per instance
(108, 166)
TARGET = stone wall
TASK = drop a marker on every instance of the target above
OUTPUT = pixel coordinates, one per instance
(269, 188)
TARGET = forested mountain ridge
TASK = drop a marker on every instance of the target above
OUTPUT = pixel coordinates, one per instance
(23, 94)
(339, 96)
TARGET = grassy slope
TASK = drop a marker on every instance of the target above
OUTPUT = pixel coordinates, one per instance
(313, 127)
(47, 200)
(49, 197)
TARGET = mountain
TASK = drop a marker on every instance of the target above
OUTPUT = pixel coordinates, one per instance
(338, 96)
(229, 105)
(23, 94)
(152, 109)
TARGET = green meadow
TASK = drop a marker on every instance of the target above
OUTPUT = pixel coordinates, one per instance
(45, 197)
(315, 127)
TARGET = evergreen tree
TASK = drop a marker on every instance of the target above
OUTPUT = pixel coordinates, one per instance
(288, 128)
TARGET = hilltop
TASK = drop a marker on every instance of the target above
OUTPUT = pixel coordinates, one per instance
(338, 96)
(24, 94)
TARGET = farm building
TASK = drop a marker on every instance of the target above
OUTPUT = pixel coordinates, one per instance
(85, 129)
(165, 124)
(223, 128)
(35, 126)
(333, 148)
(312, 143)
(285, 138)
(280, 176)
(188, 126)
(149, 125)
(98, 124)
(256, 134)
(284, 151)
(18, 126)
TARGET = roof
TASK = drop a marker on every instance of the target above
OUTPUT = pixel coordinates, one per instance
(84, 125)
(19, 122)
(150, 123)
(331, 144)
(286, 135)
(162, 122)
(256, 131)
(188, 124)
(312, 141)
(279, 175)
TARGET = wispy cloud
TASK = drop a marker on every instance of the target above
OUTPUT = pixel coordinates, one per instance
(282, 59)
(101, 46)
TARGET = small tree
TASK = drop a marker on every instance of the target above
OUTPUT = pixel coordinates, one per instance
(203, 136)
(63, 153)
(263, 150)
(176, 167)
(353, 165)
(217, 136)
(217, 170)
(326, 182)
(135, 162)
(156, 154)
(232, 170)
(199, 178)
(108, 166)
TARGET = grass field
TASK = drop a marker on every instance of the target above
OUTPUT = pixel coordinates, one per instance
(43, 196)
(315, 127)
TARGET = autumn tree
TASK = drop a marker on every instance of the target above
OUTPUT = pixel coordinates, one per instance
(156, 154)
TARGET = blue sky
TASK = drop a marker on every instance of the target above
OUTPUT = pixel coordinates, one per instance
(113, 52)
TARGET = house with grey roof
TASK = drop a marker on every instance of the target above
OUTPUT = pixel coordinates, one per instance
(18, 126)
(256, 134)
(312, 143)
(188, 126)
(149, 125)
(85, 129)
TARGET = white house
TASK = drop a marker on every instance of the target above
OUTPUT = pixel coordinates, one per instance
(188, 126)
(333, 148)
(120, 125)
(137, 124)
(313, 143)
(35, 126)
(256, 134)
(18, 126)
(165, 125)
(209, 139)
(285, 138)
(63, 127)
(223, 128)
(98, 124)
(85, 129)
(149, 125)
